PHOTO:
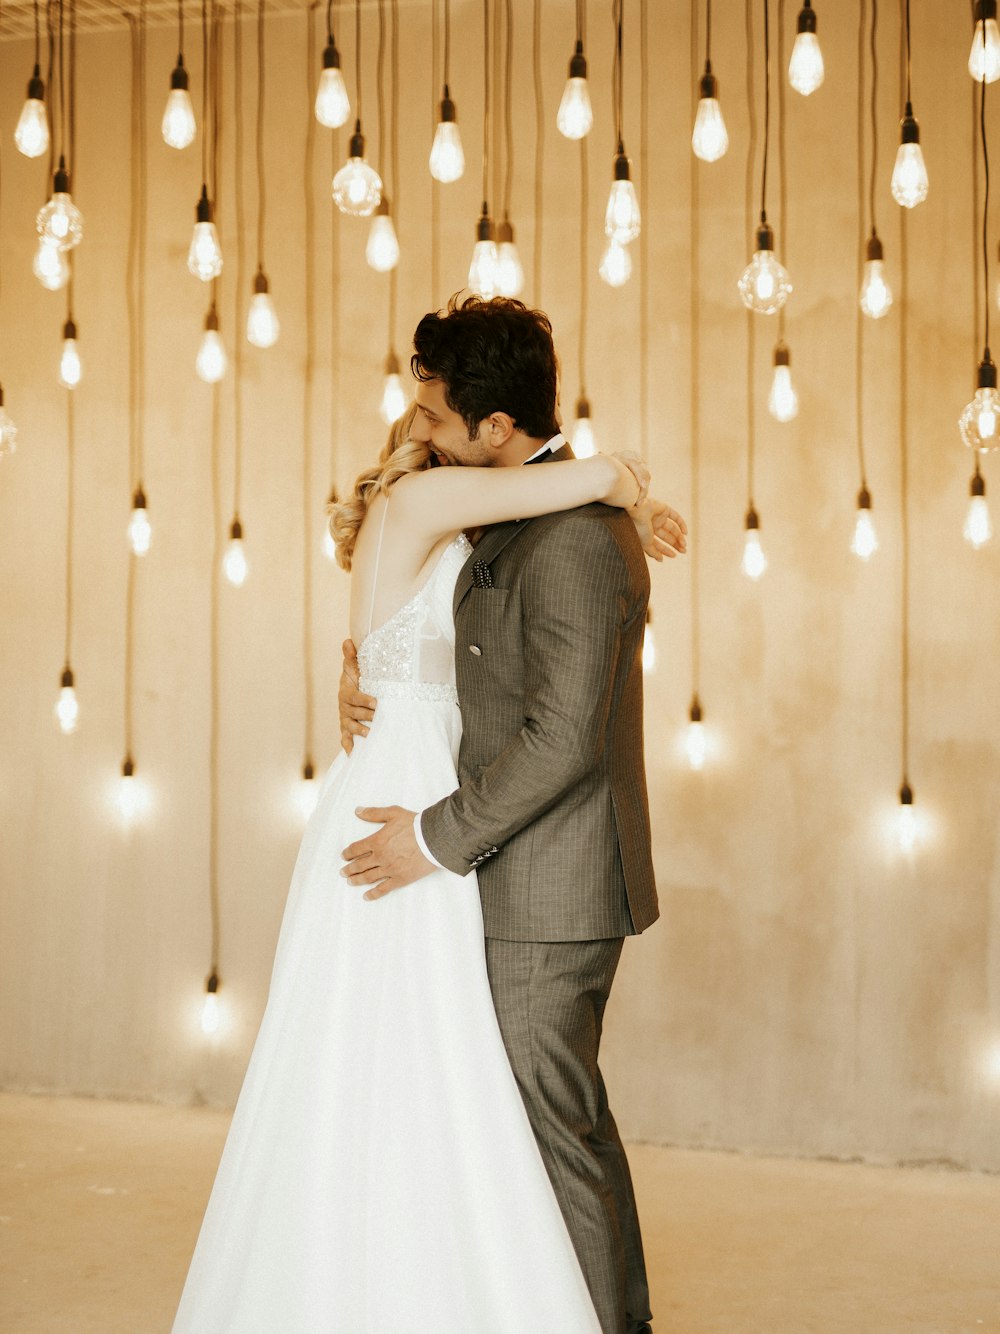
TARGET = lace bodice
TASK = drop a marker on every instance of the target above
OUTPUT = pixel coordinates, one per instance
(412, 654)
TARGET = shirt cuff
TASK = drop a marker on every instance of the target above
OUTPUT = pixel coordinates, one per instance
(418, 835)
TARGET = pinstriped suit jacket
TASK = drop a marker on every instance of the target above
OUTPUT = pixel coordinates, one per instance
(552, 809)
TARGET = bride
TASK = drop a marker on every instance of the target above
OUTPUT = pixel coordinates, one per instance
(380, 1175)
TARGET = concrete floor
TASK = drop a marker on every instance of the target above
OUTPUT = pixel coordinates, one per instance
(100, 1204)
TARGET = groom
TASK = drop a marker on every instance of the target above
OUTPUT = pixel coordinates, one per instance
(552, 809)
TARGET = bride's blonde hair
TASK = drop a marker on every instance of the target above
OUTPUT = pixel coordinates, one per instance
(399, 456)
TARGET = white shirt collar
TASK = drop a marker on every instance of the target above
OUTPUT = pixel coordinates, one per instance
(550, 447)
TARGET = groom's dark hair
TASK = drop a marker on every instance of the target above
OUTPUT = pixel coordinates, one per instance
(491, 356)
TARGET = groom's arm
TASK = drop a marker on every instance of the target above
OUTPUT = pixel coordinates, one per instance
(577, 596)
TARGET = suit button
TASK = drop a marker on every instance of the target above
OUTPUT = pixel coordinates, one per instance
(474, 648)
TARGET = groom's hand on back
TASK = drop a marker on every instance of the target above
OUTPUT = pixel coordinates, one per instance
(356, 709)
(388, 858)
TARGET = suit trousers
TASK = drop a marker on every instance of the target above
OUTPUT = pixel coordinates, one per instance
(550, 999)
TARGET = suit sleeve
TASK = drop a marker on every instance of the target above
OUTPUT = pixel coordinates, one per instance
(577, 597)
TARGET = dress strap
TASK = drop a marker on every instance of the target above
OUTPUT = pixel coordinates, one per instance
(378, 557)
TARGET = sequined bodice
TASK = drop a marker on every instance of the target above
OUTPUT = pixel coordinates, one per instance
(412, 654)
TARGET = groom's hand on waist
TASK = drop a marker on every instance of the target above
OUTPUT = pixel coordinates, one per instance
(356, 710)
(387, 858)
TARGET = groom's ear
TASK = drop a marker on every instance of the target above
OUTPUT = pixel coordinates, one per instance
(499, 428)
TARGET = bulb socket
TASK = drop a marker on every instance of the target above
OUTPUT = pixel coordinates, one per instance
(977, 487)
(985, 10)
(212, 319)
(623, 167)
(582, 408)
(212, 983)
(1, 395)
(260, 284)
(392, 364)
(446, 112)
(873, 250)
(60, 181)
(694, 713)
(807, 18)
(505, 232)
(909, 130)
(128, 767)
(203, 208)
(331, 56)
(484, 227)
(765, 236)
(179, 77)
(139, 499)
(36, 87)
(357, 144)
(308, 772)
(66, 680)
(709, 86)
(578, 63)
(782, 356)
(906, 794)
(864, 499)
(752, 520)
(235, 530)
(69, 329)
(333, 498)
(986, 375)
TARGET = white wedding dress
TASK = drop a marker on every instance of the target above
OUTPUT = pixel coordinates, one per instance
(380, 1175)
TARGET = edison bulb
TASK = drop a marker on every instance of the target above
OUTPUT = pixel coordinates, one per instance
(907, 829)
(876, 296)
(764, 284)
(782, 401)
(140, 530)
(805, 69)
(980, 421)
(382, 250)
(333, 106)
(616, 264)
(128, 793)
(263, 325)
(622, 219)
(32, 133)
(210, 1014)
(70, 367)
(584, 446)
(978, 529)
(67, 710)
(447, 160)
(8, 430)
(510, 273)
(178, 126)
(393, 398)
(60, 221)
(984, 57)
(864, 543)
(50, 265)
(695, 747)
(575, 117)
(484, 276)
(648, 649)
(329, 545)
(211, 361)
(754, 560)
(205, 254)
(709, 139)
(909, 176)
(308, 792)
(357, 187)
(234, 563)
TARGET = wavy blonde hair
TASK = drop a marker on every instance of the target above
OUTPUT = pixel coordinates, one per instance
(400, 455)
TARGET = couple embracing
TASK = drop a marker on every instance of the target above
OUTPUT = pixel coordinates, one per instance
(423, 1143)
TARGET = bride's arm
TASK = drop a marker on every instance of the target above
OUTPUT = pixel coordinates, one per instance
(443, 500)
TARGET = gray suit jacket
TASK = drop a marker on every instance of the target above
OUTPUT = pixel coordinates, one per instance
(552, 807)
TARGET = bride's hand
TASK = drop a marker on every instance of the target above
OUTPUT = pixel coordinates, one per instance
(662, 530)
(638, 468)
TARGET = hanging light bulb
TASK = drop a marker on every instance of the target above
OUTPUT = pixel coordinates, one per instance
(978, 529)
(694, 737)
(709, 139)
(876, 296)
(393, 397)
(984, 58)
(616, 264)
(178, 125)
(575, 117)
(583, 435)
(329, 546)
(50, 265)
(648, 644)
(510, 274)
(210, 1007)
(67, 710)
(333, 106)
(382, 250)
(8, 430)
(234, 562)
(32, 133)
(483, 271)
(128, 795)
(140, 531)
(70, 369)
(205, 254)
(447, 161)
(805, 69)
(211, 361)
(979, 424)
(60, 220)
(782, 401)
(754, 560)
(357, 187)
(906, 820)
(308, 793)
(864, 543)
(622, 220)
(764, 284)
(909, 175)
(263, 325)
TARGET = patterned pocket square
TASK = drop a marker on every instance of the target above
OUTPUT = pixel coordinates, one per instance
(482, 576)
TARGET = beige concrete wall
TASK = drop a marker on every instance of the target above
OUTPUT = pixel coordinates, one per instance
(808, 990)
